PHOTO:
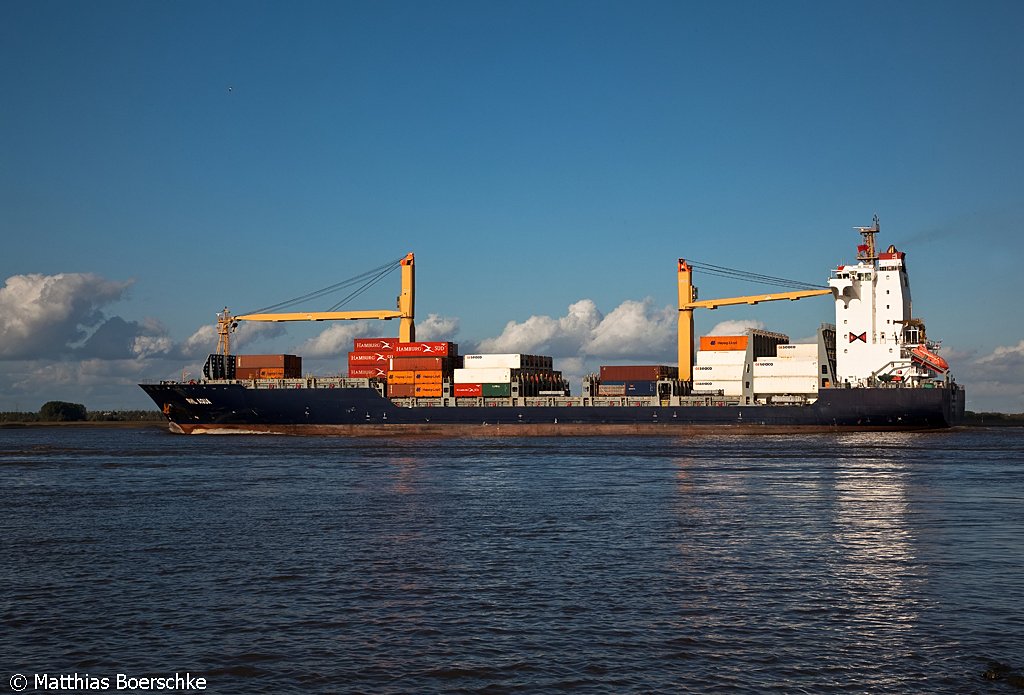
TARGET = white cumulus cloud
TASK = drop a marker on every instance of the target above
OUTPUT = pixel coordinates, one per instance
(46, 315)
(546, 335)
(736, 327)
(202, 342)
(437, 328)
(334, 341)
(995, 382)
(633, 330)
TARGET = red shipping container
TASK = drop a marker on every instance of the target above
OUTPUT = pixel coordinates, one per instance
(291, 363)
(365, 344)
(431, 349)
(467, 390)
(367, 372)
(416, 364)
(368, 358)
(638, 373)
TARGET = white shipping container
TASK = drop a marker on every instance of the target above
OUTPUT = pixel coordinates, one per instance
(797, 350)
(786, 367)
(495, 361)
(707, 372)
(496, 375)
(708, 357)
(726, 386)
(765, 385)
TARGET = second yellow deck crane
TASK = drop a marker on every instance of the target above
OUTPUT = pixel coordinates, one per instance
(688, 302)
(405, 312)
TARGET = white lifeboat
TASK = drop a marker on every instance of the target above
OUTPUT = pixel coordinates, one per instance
(929, 359)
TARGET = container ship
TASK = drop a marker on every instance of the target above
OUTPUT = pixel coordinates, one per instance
(873, 369)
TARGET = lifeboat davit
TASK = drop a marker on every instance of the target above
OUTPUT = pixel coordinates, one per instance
(929, 359)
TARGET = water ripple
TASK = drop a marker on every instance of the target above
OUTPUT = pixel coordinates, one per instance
(841, 563)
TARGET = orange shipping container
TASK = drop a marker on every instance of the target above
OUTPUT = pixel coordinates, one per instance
(401, 377)
(401, 390)
(431, 377)
(428, 390)
(260, 373)
(723, 342)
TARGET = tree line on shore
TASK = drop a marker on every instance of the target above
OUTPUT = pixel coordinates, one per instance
(62, 411)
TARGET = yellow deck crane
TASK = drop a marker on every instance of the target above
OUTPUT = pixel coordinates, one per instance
(688, 302)
(405, 312)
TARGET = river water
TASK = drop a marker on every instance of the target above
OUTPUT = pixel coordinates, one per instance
(790, 564)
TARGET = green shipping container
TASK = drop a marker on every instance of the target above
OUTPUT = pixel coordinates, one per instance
(496, 390)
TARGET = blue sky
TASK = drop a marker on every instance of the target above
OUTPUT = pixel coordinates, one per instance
(161, 160)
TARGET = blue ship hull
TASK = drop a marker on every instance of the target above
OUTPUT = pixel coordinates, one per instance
(234, 407)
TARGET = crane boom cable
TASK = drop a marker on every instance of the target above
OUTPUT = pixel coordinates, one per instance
(316, 294)
(370, 283)
(762, 281)
(722, 271)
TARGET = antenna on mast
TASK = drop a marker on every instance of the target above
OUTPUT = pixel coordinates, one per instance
(866, 251)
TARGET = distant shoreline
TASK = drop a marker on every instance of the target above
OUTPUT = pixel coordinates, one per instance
(79, 424)
(992, 423)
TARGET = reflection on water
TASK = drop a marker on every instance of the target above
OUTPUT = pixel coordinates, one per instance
(874, 561)
(859, 562)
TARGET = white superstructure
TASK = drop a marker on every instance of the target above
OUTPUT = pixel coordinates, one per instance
(876, 334)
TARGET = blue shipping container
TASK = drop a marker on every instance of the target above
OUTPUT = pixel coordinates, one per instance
(641, 388)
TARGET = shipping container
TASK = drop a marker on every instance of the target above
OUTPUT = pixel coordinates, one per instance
(641, 388)
(638, 373)
(765, 385)
(482, 376)
(402, 377)
(611, 389)
(428, 390)
(374, 344)
(705, 372)
(797, 350)
(369, 358)
(496, 390)
(418, 363)
(723, 342)
(712, 357)
(261, 373)
(367, 372)
(726, 386)
(428, 349)
(467, 390)
(429, 377)
(786, 367)
(290, 363)
(506, 361)
(401, 390)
